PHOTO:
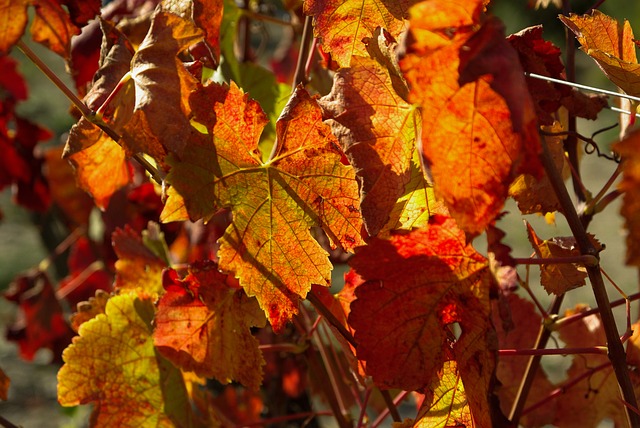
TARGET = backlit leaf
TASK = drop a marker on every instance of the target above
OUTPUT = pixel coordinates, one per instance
(89, 309)
(13, 21)
(439, 280)
(377, 130)
(611, 45)
(629, 149)
(204, 326)
(474, 144)
(52, 27)
(343, 24)
(268, 246)
(113, 364)
(446, 405)
(137, 266)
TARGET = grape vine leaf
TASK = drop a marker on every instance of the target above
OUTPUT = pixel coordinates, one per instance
(89, 309)
(558, 278)
(377, 130)
(629, 149)
(137, 266)
(439, 280)
(342, 25)
(268, 245)
(469, 136)
(5, 382)
(13, 22)
(40, 323)
(112, 363)
(610, 45)
(445, 404)
(204, 326)
(543, 58)
(52, 27)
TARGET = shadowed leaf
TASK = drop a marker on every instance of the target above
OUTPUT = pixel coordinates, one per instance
(13, 21)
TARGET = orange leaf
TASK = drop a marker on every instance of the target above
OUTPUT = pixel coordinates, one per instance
(377, 130)
(137, 266)
(610, 45)
(52, 27)
(13, 21)
(274, 204)
(113, 364)
(343, 24)
(629, 149)
(558, 278)
(101, 168)
(204, 326)
(469, 133)
(439, 280)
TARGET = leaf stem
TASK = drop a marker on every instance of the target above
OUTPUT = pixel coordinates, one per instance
(616, 350)
(590, 208)
(391, 408)
(6, 424)
(285, 418)
(600, 350)
(291, 348)
(86, 112)
(326, 313)
(299, 76)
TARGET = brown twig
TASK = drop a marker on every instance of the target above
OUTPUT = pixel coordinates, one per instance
(6, 424)
(586, 260)
(300, 76)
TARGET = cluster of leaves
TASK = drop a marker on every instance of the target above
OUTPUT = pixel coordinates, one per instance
(403, 159)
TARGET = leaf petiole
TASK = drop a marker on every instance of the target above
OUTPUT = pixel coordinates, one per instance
(600, 350)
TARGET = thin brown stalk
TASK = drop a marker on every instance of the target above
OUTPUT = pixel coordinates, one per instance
(300, 76)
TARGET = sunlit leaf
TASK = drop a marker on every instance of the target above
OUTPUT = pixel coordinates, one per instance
(13, 21)
(343, 24)
(204, 326)
(377, 130)
(629, 149)
(113, 364)
(53, 28)
(137, 266)
(610, 44)
(268, 245)
(474, 142)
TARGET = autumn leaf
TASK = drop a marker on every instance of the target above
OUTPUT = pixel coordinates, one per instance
(558, 278)
(52, 27)
(204, 326)
(474, 144)
(162, 84)
(343, 24)
(377, 130)
(629, 150)
(40, 323)
(438, 280)
(113, 364)
(446, 405)
(89, 309)
(13, 21)
(137, 266)
(611, 46)
(543, 58)
(274, 204)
